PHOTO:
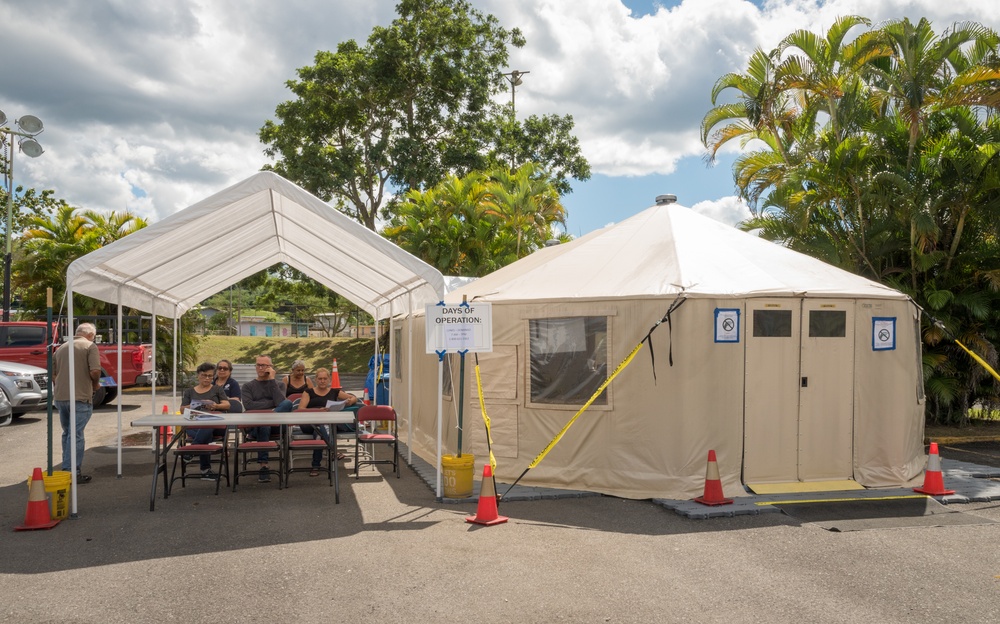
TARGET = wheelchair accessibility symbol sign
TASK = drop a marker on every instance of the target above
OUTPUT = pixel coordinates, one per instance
(883, 333)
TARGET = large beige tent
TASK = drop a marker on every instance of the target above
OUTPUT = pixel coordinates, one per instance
(790, 369)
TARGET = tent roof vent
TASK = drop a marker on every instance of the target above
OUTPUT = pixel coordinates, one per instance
(663, 200)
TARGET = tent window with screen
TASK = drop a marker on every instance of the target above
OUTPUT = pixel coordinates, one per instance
(567, 355)
(772, 323)
(827, 323)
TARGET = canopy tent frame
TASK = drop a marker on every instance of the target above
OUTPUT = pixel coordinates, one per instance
(257, 223)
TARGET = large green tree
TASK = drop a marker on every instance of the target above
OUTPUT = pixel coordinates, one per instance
(478, 223)
(876, 149)
(415, 104)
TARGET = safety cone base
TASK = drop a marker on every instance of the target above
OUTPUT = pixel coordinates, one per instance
(36, 525)
(497, 520)
(930, 492)
(713, 503)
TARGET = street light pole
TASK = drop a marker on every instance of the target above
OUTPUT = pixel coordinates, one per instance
(10, 215)
(514, 78)
(30, 127)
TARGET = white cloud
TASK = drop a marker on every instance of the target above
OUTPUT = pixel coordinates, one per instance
(729, 210)
(154, 106)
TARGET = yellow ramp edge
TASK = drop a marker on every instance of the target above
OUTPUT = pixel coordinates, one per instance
(793, 487)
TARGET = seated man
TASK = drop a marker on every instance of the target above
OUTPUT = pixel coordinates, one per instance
(264, 393)
(208, 397)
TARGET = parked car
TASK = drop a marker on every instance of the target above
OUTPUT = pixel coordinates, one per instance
(24, 386)
(24, 342)
(6, 414)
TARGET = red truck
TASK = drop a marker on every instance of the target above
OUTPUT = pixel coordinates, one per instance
(24, 342)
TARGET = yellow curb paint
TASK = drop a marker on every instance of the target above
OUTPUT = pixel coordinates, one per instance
(842, 500)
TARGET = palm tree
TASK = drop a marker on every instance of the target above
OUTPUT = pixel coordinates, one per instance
(764, 109)
(913, 81)
(527, 202)
(111, 226)
(827, 69)
(52, 242)
(881, 155)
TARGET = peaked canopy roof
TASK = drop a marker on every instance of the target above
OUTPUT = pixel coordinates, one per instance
(178, 262)
(663, 251)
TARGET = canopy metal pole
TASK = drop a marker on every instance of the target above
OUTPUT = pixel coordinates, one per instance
(173, 395)
(48, 364)
(119, 380)
(409, 382)
(70, 370)
(374, 397)
(152, 332)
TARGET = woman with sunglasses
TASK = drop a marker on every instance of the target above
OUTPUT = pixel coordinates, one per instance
(230, 386)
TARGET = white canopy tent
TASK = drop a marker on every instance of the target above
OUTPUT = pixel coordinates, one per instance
(176, 263)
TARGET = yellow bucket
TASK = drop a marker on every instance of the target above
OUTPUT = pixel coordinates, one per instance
(57, 486)
(456, 475)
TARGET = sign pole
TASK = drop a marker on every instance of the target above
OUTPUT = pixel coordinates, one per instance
(461, 386)
(48, 365)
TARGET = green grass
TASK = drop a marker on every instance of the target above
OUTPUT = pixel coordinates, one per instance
(981, 414)
(352, 353)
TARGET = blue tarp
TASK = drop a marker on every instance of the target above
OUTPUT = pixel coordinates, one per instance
(383, 385)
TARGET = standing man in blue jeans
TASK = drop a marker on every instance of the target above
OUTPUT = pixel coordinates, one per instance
(264, 393)
(87, 374)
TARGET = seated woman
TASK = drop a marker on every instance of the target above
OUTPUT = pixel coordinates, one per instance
(317, 397)
(231, 387)
(297, 382)
(205, 396)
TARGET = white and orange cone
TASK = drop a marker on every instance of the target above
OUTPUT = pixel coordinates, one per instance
(486, 512)
(334, 375)
(37, 515)
(933, 478)
(713, 485)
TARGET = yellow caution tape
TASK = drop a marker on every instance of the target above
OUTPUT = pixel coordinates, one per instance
(981, 361)
(486, 419)
(593, 398)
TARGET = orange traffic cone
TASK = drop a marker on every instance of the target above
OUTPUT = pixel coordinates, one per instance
(38, 515)
(165, 431)
(713, 485)
(933, 479)
(334, 375)
(486, 512)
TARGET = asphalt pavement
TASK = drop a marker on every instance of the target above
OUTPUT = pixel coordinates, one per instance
(388, 552)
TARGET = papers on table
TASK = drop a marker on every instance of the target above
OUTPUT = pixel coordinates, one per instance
(193, 414)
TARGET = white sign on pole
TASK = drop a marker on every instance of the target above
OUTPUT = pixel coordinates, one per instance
(459, 327)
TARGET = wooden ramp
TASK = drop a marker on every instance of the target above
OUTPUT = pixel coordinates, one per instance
(793, 487)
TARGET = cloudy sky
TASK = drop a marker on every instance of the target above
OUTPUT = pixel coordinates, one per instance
(153, 106)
